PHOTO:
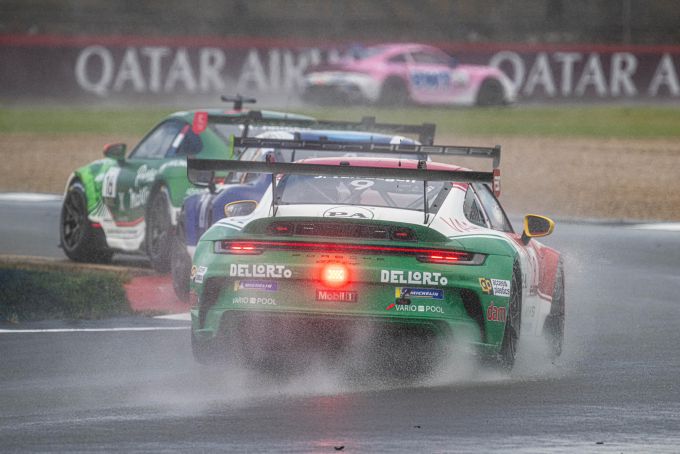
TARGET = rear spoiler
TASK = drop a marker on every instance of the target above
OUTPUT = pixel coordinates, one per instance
(418, 151)
(425, 131)
(198, 167)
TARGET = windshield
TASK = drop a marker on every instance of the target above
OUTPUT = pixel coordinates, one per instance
(391, 193)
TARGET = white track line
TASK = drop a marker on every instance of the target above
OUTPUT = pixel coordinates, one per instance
(186, 316)
(94, 330)
(667, 226)
(29, 197)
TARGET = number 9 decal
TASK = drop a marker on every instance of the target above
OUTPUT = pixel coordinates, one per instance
(362, 184)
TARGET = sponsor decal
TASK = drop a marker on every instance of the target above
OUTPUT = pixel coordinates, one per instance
(497, 287)
(415, 308)
(254, 301)
(265, 286)
(259, 270)
(110, 182)
(348, 212)
(412, 277)
(200, 273)
(342, 296)
(495, 313)
(145, 175)
(411, 292)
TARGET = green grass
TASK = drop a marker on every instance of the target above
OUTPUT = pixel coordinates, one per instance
(564, 121)
(28, 294)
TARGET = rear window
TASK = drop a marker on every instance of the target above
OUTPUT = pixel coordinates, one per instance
(322, 189)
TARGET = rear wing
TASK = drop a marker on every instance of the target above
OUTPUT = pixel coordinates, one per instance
(424, 132)
(417, 151)
(197, 168)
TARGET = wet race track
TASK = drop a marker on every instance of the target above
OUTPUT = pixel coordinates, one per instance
(615, 389)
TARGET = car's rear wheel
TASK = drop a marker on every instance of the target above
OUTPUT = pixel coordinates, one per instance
(393, 93)
(206, 351)
(81, 242)
(158, 230)
(554, 323)
(508, 352)
(490, 93)
(180, 264)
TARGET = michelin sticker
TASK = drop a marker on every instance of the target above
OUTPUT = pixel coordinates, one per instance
(259, 270)
(265, 286)
(411, 292)
(412, 277)
(497, 287)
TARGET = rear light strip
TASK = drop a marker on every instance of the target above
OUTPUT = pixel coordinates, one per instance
(439, 256)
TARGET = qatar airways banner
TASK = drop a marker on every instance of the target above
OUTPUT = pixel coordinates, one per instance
(158, 69)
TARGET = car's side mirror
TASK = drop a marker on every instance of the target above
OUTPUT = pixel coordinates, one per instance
(240, 208)
(536, 226)
(115, 151)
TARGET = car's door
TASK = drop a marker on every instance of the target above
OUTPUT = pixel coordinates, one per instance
(126, 187)
(431, 77)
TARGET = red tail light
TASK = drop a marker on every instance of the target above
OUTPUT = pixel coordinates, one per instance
(238, 248)
(335, 275)
(445, 257)
(440, 256)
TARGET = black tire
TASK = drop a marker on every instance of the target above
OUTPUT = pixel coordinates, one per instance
(78, 239)
(554, 323)
(491, 93)
(206, 352)
(159, 230)
(394, 93)
(180, 265)
(505, 358)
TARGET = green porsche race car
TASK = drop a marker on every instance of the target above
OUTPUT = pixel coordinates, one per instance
(132, 203)
(397, 258)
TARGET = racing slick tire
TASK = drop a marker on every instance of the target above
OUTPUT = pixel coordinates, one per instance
(79, 240)
(505, 359)
(393, 93)
(553, 329)
(206, 352)
(180, 265)
(490, 94)
(159, 230)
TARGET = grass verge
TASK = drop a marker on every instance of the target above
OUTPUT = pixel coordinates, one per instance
(41, 291)
(619, 121)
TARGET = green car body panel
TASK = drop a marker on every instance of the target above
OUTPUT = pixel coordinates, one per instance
(117, 192)
(297, 292)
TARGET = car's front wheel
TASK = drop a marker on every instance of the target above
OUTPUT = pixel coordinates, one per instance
(180, 265)
(79, 240)
(159, 230)
(490, 93)
(554, 323)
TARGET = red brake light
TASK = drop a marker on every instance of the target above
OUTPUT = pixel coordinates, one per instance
(335, 275)
(238, 248)
(445, 257)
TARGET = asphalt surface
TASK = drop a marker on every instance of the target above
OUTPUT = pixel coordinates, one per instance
(615, 389)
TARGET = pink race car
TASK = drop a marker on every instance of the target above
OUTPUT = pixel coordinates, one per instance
(395, 74)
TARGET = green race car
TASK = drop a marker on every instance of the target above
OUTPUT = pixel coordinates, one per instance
(131, 203)
(393, 259)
